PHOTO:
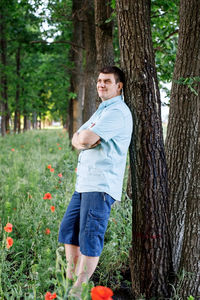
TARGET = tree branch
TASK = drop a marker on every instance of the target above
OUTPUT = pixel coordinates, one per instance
(159, 48)
(57, 42)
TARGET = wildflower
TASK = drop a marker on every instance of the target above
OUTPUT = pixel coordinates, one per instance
(12, 149)
(60, 175)
(47, 196)
(52, 208)
(47, 231)
(101, 293)
(52, 170)
(75, 169)
(8, 227)
(50, 296)
(49, 167)
(58, 144)
(59, 148)
(9, 242)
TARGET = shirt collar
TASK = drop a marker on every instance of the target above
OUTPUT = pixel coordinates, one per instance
(110, 101)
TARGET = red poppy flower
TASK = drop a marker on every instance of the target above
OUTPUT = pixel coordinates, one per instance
(12, 149)
(9, 242)
(75, 169)
(58, 144)
(47, 196)
(101, 293)
(60, 175)
(50, 296)
(52, 208)
(47, 231)
(49, 167)
(8, 227)
(52, 170)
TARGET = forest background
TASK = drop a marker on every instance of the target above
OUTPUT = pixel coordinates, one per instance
(51, 75)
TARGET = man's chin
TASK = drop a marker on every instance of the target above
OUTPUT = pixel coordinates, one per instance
(103, 97)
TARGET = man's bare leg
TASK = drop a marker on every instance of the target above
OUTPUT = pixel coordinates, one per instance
(86, 268)
(72, 253)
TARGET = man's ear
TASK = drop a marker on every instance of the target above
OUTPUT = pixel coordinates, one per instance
(120, 85)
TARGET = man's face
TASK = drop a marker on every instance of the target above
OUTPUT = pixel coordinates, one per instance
(107, 88)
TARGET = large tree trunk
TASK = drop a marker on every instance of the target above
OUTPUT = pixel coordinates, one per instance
(190, 258)
(77, 81)
(150, 255)
(90, 56)
(182, 134)
(104, 33)
(17, 109)
(183, 150)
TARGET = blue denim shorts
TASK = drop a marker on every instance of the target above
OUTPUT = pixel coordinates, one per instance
(85, 222)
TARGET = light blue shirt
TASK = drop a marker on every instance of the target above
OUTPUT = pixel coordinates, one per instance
(101, 169)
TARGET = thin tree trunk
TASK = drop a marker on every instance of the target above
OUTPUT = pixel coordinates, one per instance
(34, 120)
(25, 123)
(17, 110)
(4, 88)
(90, 56)
(182, 134)
(150, 256)
(70, 119)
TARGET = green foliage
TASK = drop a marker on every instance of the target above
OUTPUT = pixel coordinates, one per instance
(164, 24)
(191, 82)
(34, 264)
(24, 177)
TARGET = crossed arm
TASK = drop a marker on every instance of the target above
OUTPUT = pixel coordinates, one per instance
(85, 139)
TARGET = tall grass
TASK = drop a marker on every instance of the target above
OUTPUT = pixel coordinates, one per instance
(30, 268)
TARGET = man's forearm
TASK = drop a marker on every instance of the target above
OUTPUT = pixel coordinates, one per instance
(85, 140)
(77, 144)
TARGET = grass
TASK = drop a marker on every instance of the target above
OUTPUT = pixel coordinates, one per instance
(35, 262)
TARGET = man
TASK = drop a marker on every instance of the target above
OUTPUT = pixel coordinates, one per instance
(103, 140)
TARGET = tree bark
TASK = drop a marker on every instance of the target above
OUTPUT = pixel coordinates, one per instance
(183, 125)
(150, 256)
(190, 258)
(104, 33)
(34, 120)
(17, 126)
(77, 81)
(90, 57)
(4, 86)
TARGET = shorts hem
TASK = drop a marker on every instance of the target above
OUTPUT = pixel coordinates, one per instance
(69, 243)
(88, 254)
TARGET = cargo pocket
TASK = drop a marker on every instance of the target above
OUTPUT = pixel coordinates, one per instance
(97, 222)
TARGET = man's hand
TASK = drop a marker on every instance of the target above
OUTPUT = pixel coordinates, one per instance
(86, 139)
(96, 144)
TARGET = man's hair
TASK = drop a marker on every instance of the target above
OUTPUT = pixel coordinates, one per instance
(119, 74)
